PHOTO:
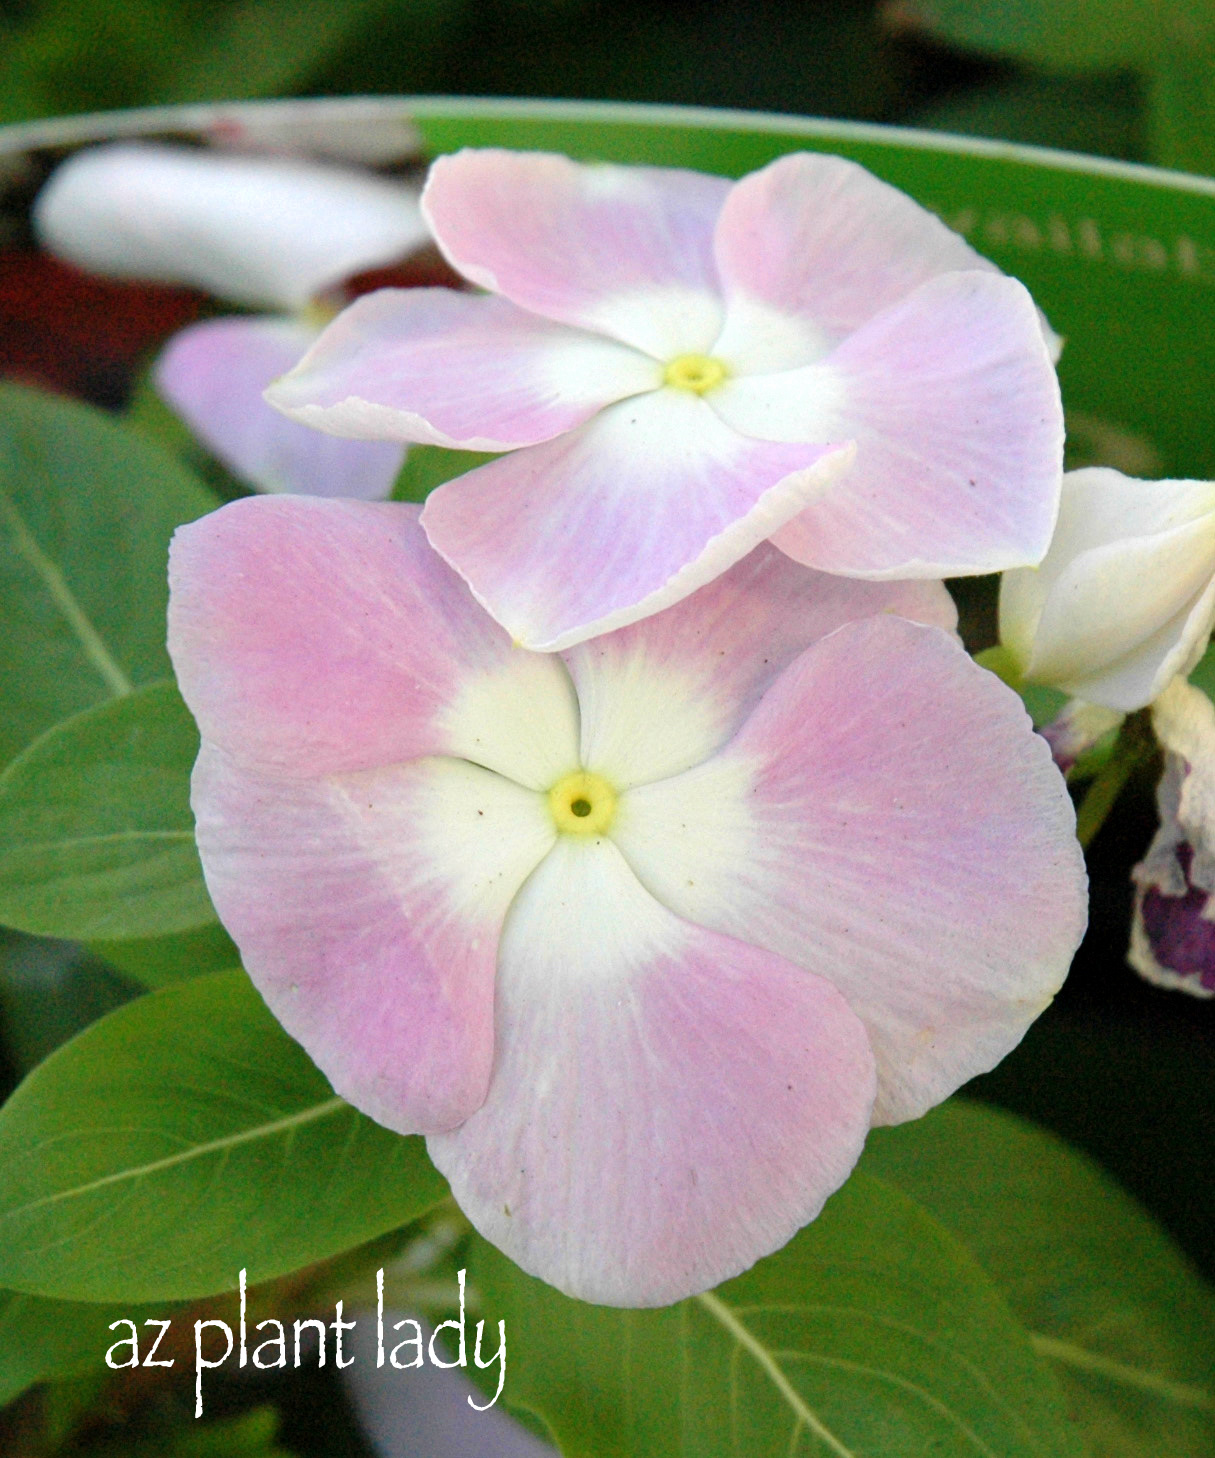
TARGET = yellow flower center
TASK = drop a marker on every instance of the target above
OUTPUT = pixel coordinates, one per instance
(695, 372)
(582, 803)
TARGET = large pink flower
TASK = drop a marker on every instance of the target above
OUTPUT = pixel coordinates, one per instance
(680, 367)
(636, 933)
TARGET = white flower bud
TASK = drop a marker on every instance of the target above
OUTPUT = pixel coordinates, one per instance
(269, 232)
(1125, 598)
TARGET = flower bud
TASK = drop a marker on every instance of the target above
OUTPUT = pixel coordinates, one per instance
(1125, 598)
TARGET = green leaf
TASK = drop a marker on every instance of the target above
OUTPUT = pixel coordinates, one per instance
(1108, 1298)
(49, 991)
(1091, 113)
(871, 1333)
(1203, 675)
(184, 1137)
(268, 47)
(1181, 102)
(86, 512)
(42, 1340)
(96, 834)
(155, 961)
(429, 466)
(1067, 34)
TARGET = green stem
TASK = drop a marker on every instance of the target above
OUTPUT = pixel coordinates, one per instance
(1135, 744)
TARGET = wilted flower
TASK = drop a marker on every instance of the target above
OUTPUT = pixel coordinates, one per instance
(1125, 598)
(680, 368)
(266, 232)
(1078, 728)
(637, 933)
(1173, 930)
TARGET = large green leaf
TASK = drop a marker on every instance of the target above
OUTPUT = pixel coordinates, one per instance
(871, 1334)
(1106, 1295)
(153, 961)
(429, 466)
(1068, 34)
(41, 1340)
(181, 1138)
(96, 834)
(86, 512)
(49, 991)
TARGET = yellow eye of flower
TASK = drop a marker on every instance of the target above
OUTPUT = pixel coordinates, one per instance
(582, 804)
(695, 372)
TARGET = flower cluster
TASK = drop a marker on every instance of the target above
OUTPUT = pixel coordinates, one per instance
(630, 820)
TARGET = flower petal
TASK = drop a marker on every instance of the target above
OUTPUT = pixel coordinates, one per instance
(665, 693)
(1125, 598)
(888, 820)
(649, 501)
(811, 247)
(667, 1105)
(623, 251)
(314, 636)
(263, 231)
(954, 405)
(456, 370)
(367, 909)
(1172, 931)
(213, 375)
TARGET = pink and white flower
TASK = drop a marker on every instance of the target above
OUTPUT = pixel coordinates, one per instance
(274, 233)
(679, 367)
(644, 935)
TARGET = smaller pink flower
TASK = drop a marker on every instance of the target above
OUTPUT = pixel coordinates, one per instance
(641, 936)
(266, 232)
(680, 367)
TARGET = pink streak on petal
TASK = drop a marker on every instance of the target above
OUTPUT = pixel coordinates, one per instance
(823, 240)
(356, 933)
(643, 505)
(667, 1105)
(457, 370)
(585, 244)
(315, 636)
(954, 404)
(663, 694)
(893, 825)
(213, 375)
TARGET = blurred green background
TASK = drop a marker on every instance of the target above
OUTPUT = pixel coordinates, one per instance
(1124, 78)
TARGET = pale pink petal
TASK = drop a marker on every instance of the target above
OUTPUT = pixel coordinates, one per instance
(811, 247)
(665, 693)
(888, 820)
(667, 1105)
(264, 231)
(954, 405)
(367, 909)
(213, 375)
(313, 636)
(625, 251)
(646, 503)
(456, 370)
